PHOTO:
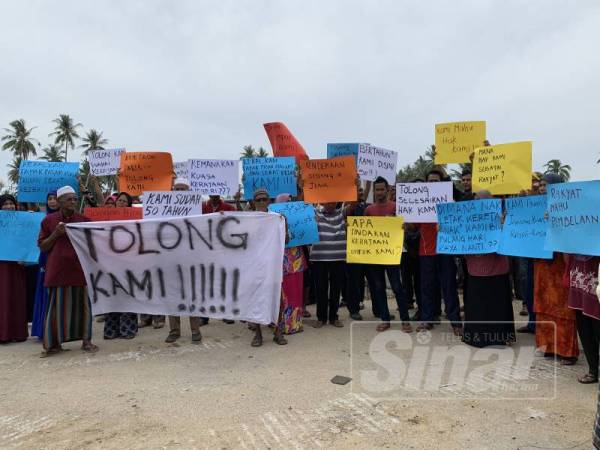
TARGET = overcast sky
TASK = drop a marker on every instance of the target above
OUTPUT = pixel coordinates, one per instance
(198, 78)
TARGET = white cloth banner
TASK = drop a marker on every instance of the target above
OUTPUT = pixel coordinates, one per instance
(214, 176)
(416, 201)
(105, 162)
(224, 265)
(374, 162)
(172, 204)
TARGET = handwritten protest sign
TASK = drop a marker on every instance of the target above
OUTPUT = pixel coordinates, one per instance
(276, 175)
(301, 222)
(283, 142)
(37, 178)
(108, 214)
(376, 162)
(105, 162)
(225, 266)
(468, 228)
(503, 169)
(172, 204)
(20, 231)
(340, 149)
(214, 176)
(524, 228)
(181, 169)
(415, 202)
(574, 218)
(375, 240)
(455, 141)
(329, 180)
(145, 171)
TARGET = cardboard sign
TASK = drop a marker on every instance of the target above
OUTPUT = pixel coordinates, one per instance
(455, 141)
(20, 231)
(172, 204)
(329, 180)
(574, 218)
(375, 240)
(145, 171)
(104, 214)
(301, 222)
(469, 228)
(524, 229)
(276, 175)
(283, 141)
(105, 162)
(224, 266)
(37, 178)
(376, 162)
(416, 202)
(340, 149)
(503, 169)
(214, 176)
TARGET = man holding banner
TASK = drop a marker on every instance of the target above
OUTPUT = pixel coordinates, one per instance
(69, 315)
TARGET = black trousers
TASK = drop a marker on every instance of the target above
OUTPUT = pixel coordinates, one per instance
(355, 286)
(411, 278)
(588, 329)
(329, 279)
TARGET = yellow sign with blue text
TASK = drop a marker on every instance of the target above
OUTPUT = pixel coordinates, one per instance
(455, 141)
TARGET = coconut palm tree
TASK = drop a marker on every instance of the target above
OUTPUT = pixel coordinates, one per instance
(556, 166)
(248, 152)
(262, 153)
(93, 140)
(53, 153)
(65, 132)
(13, 169)
(19, 140)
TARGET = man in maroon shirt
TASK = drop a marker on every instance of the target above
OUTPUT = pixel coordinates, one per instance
(69, 314)
(216, 204)
(384, 207)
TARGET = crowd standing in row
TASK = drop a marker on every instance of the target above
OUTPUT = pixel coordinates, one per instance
(559, 295)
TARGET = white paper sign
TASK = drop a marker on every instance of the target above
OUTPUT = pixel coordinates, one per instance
(105, 162)
(214, 176)
(172, 204)
(225, 266)
(181, 169)
(374, 162)
(416, 201)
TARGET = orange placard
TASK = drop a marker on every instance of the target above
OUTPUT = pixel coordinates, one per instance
(107, 214)
(329, 180)
(283, 141)
(145, 171)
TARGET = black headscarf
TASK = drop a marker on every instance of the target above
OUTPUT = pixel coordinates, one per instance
(48, 209)
(5, 197)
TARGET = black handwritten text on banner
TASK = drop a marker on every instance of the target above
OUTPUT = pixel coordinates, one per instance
(218, 265)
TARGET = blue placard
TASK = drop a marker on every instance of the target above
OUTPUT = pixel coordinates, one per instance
(335, 150)
(469, 228)
(37, 178)
(574, 218)
(276, 175)
(301, 222)
(20, 231)
(524, 228)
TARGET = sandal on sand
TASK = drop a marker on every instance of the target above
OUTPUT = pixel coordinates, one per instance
(588, 378)
(89, 348)
(279, 340)
(257, 341)
(50, 352)
(306, 314)
(383, 327)
(568, 361)
(406, 327)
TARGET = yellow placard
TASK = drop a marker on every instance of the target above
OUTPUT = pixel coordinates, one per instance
(374, 240)
(455, 141)
(503, 169)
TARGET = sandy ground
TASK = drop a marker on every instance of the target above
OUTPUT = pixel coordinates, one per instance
(223, 393)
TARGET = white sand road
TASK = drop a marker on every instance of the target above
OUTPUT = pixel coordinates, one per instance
(225, 394)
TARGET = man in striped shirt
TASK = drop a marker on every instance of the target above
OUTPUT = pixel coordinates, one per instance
(328, 258)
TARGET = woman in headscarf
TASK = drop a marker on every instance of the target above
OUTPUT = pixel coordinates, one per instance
(555, 330)
(294, 265)
(489, 318)
(116, 324)
(110, 201)
(40, 305)
(13, 302)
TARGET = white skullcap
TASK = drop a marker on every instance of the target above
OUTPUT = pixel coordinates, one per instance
(64, 190)
(181, 181)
